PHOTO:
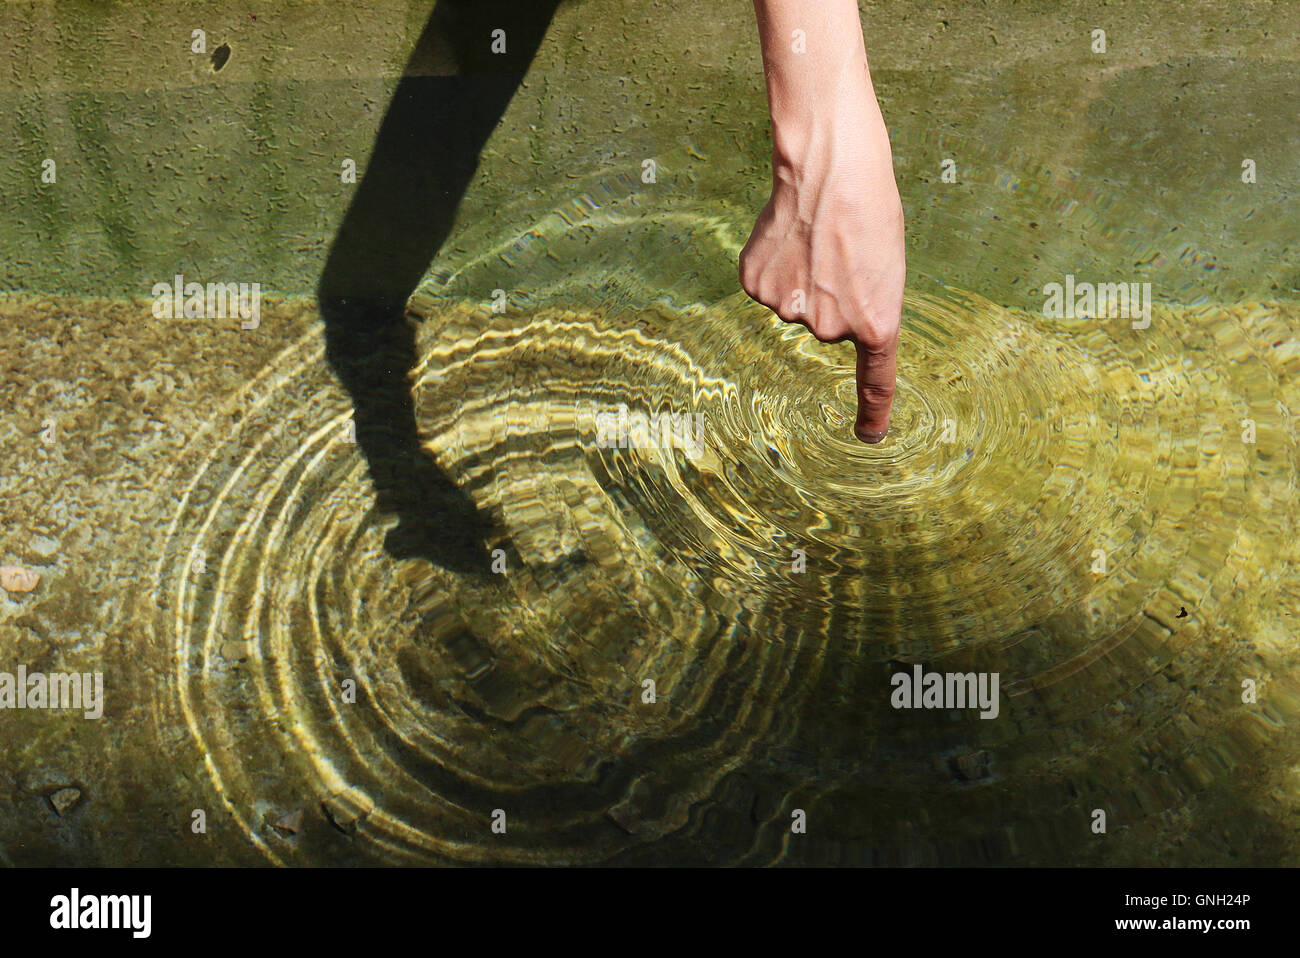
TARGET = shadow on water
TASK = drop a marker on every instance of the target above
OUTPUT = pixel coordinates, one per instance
(451, 96)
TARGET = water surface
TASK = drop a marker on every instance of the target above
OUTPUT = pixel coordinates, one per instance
(277, 638)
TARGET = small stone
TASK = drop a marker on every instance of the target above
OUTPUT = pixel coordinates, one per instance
(65, 799)
(16, 578)
(289, 824)
(44, 546)
(972, 767)
(343, 814)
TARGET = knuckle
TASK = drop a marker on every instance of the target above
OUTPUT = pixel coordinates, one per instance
(878, 392)
(786, 308)
(759, 292)
(877, 396)
(827, 323)
(877, 337)
(831, 332)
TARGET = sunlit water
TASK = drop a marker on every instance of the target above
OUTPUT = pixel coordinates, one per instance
(767, 573)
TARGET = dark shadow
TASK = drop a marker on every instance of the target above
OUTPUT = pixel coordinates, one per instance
(452, 94)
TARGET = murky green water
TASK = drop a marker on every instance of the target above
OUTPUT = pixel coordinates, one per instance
(276, 638)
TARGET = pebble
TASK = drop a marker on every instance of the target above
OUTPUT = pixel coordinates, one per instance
(289, 824)
(65, 799)
(972, 767)
(44, 546)
(342, 815)
(16, 578)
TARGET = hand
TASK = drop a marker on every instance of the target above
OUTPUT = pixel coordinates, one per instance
(827, 250)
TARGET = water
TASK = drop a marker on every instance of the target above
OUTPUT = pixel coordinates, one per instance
(286, 628)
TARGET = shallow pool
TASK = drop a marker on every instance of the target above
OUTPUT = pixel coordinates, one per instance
(577, 561)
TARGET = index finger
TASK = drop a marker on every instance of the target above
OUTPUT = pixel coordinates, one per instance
(877, 380)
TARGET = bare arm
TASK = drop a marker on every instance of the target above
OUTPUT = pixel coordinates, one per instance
(827, 250)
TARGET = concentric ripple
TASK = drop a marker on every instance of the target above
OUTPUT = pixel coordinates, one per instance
(689, 638)
(1019, 447)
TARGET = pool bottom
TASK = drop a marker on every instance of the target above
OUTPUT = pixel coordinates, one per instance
(220, 558)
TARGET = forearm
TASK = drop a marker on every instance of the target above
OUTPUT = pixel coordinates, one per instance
(818, 84)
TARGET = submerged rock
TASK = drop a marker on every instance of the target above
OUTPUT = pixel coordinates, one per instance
(971, 767)
(290, 823)
(344, 813)
(44, 546)
(65, 799)
(15, 578)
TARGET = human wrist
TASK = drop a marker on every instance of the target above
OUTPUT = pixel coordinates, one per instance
(844, 131)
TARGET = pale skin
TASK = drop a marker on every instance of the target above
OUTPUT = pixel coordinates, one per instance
(827, 250)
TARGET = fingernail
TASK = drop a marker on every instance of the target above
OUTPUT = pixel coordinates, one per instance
(871, 437)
